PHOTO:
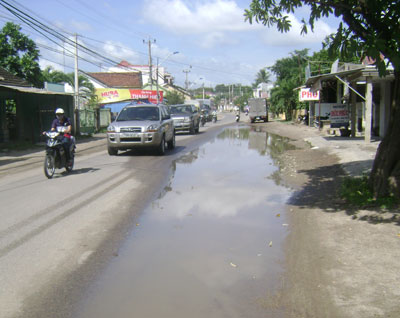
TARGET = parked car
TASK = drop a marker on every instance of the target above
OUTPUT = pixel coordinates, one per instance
(140, 125)
(186, 117)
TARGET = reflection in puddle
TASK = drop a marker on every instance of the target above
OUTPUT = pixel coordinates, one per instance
(210, 246)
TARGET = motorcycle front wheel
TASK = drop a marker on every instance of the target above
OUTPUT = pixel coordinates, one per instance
(49, 166)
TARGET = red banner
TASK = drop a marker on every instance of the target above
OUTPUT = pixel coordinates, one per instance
(144, 94)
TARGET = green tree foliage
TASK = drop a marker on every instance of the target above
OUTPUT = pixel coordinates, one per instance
(262, 77)
(51, 75)
(369, 26)
(173, 98)
(241, 101)
(19, 54)
(289, 75)
(86, 88)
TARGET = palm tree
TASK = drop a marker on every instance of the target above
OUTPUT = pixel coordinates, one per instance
(51, 75)
(262, 77)
(86, 88)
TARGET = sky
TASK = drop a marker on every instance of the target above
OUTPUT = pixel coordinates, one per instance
(214, 43)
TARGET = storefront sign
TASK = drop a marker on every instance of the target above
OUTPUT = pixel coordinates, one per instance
(112, 95)
(306, 95)
(145, 94)
(339, 116)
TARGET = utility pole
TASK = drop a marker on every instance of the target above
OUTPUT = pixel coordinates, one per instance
(76, 91)
(149, 41)
(186, 81)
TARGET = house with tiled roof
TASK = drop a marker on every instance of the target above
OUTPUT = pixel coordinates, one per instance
(116, 79)
(163, 76)
(8, 79)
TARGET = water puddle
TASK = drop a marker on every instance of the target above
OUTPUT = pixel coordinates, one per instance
(211, 244)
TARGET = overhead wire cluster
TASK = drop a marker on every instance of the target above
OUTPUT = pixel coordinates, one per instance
(66, 41)
(61, 38)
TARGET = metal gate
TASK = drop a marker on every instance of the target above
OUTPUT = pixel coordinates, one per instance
(87, 121)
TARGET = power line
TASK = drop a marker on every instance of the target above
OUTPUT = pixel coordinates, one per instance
(47, 31)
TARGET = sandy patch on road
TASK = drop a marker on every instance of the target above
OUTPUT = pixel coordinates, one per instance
(340, 262)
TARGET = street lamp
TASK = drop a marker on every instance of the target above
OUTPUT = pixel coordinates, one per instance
(158, 64)
(203, 85)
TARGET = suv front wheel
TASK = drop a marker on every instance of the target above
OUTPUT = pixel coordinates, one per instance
(112, 151)
(161, 147)
(171, 143)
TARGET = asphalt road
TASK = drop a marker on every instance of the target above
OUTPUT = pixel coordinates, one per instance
(56, 235)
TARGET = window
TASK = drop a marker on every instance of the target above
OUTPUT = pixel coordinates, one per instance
(139, 113)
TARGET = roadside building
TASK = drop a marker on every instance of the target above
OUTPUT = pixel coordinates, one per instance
(353, 96)
(263, 90)
(26, 111)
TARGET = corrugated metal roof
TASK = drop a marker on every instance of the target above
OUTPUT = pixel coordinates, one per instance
(311, 80)
(34, 90)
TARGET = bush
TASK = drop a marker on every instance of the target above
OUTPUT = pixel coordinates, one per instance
(357, 192)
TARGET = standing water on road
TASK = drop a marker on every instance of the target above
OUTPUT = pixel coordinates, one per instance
(211, 244)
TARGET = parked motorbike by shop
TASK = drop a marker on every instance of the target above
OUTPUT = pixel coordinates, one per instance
(303, 119)
(56, 157)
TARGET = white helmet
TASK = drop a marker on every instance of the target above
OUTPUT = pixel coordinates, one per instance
(59, 111)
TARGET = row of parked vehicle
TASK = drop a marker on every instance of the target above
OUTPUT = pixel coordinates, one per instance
(152, 126)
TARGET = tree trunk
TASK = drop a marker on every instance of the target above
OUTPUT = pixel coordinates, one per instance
(385, 175)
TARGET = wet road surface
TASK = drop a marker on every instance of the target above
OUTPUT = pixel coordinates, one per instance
(211, 244)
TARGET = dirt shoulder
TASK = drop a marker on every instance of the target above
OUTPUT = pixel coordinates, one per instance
(340, 262)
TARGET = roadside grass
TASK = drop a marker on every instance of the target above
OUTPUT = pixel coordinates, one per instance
(356, 192)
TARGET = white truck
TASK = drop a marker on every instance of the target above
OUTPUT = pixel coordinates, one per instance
(258, 109)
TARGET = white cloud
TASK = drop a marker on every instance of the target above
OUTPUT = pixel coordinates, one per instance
(81, 26)
(117, 51)
(273, 37)
(202, 17)
(211, 20)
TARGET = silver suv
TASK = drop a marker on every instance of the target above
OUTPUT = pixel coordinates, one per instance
(185, 117)
(141, 125)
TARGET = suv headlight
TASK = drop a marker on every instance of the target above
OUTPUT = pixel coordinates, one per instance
(111, 128)
(187, 119)
(152, 128)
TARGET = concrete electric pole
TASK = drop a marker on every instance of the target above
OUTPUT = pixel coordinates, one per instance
(149, 41)
(186, 81)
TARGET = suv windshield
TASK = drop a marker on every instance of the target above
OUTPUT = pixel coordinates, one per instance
(139, 113)
(184, 109)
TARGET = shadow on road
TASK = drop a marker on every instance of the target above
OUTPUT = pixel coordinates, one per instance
(150, 152)
(79, 171)
(322, 191)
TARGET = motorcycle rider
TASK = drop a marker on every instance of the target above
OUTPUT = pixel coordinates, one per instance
(62, 121)
(214, 115)
(202, 117)
(237, 113)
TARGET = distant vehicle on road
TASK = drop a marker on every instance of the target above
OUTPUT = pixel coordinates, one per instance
(186, 118)
(140, 125)
(258, 109)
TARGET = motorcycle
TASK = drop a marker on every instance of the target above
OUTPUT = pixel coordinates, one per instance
(202, 120)
(303, 119)
(214, 117)
(55, 153)
(237, 117)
